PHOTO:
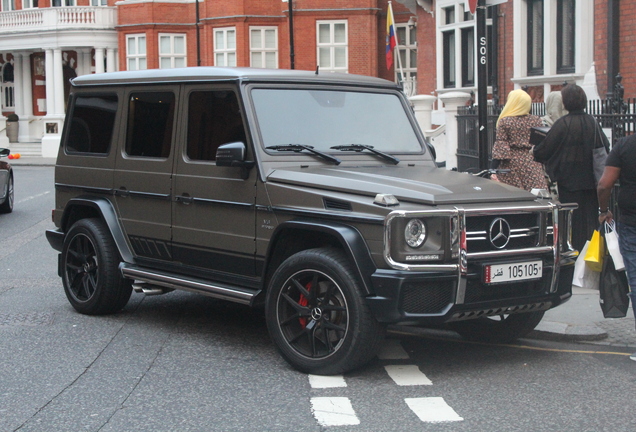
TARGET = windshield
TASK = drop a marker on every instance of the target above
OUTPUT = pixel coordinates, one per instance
(326, 118)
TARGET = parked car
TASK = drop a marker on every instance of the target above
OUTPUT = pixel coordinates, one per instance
(6, 183)
(311, 195)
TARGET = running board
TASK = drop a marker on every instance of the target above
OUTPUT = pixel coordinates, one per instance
(171, 281)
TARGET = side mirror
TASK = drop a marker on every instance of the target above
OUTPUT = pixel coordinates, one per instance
(5, 152)
(233, 155)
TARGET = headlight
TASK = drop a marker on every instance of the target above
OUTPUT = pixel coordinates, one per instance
(415, 233)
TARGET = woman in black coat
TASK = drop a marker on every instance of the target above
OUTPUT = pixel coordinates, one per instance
(567, 153)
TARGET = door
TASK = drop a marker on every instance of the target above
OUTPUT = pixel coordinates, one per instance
(143, 170)
(214, 212)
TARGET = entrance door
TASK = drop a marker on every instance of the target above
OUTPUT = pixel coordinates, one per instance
(214, 213)
(143, 170)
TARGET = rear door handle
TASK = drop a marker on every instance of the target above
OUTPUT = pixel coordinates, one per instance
(185, 199)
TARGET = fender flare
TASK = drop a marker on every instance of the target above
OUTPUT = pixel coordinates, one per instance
(350, 239)
(108, 214)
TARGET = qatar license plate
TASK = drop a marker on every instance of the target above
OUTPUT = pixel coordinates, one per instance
(513, 272)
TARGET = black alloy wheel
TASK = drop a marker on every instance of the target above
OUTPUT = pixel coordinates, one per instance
(7, 205)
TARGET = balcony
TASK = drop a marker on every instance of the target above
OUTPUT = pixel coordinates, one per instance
(58, 19)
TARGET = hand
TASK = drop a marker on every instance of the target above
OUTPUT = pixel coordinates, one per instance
(494, 177)
(605, 217)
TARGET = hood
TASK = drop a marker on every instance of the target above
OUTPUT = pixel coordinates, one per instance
(417, 184)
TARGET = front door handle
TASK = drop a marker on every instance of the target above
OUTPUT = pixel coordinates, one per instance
(185, 199)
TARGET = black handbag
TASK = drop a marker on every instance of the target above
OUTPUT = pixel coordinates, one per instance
(538, 134)
(613, 288)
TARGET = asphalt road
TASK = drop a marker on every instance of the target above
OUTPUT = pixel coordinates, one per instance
(183, 362)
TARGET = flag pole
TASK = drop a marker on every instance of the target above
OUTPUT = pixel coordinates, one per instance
(399, 59)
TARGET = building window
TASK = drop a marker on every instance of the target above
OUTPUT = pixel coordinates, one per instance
(407, 50)
(59, 3)
(8, 5)
(565, 36)
(264, 47)
(172, 51)
(332, 46)
(449, 58)
(225, 47)
(468, 56)
(136, 52)
(29, 4)
(99, 2)
(535, 37)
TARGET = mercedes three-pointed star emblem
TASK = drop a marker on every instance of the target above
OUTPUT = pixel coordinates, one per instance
(499, 233)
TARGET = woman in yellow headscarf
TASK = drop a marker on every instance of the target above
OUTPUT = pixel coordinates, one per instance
(511, 149)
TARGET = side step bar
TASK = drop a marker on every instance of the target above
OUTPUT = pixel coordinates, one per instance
(168, 280)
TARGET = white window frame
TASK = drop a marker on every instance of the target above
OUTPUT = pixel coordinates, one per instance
(404, 51)
(136, 57)
(29, 4)
(64, 3)
(583, 45)
(262, 49)
(98, 3)
(227, 53)
(8, 5)
(332, 45)
(172, 55)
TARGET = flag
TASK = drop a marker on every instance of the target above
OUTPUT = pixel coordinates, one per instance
(390, 37)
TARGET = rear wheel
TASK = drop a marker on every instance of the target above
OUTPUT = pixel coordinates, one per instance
(7, 205)
(91, 278)
(317, 316)
(498, 329)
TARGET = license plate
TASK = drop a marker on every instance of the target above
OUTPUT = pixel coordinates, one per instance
(513, 272)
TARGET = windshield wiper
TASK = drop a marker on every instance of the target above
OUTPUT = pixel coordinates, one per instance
(300, 147)
(361, 147)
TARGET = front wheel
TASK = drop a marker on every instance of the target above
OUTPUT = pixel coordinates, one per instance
(7, 205)
(317, 316)
(498, 329)
(90, 273)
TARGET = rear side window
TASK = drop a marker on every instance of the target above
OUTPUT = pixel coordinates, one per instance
(214, 119)
(91, 124)
(150, 122)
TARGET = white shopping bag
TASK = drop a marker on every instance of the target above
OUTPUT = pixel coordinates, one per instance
(583, 276)
(611, 240)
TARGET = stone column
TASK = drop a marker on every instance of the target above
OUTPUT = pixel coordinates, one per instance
(54, 119)
(452, 101)
(58, 82)
(423, 107)
(110, 60)
(50, 92)
(24, 133)
(17, 84)
(99, 60)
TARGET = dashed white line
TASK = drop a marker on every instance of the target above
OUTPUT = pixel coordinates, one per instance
(33, 197)
(334, 411)
(433, 410)
(319, 381)
(392, 350)
(407, 375)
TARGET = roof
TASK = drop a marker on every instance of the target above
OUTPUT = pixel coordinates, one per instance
(204, 73)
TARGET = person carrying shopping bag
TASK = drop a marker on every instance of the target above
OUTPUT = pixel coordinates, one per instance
(621, 165)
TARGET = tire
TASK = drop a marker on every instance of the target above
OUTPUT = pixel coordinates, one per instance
(498, 329)
(90, 269)
(7, 205)
(316, 314)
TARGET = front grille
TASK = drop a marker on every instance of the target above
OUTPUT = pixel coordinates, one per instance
(427, 297)
(524, 232)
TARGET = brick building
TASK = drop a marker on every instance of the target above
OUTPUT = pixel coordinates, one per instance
(538, 44)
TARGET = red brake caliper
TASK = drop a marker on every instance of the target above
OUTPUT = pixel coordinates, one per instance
(304, 302)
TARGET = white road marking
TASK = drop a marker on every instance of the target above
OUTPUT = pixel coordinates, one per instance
(320, 381)
(334, 411)
(432, 410)
(32, 197)
(407, 375)
(392, 350)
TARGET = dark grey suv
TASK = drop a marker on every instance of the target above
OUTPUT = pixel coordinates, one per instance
(313, 195)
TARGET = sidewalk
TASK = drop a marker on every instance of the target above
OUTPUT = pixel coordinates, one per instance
(578, 320)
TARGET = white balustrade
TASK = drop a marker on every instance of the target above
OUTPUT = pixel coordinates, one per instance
(58, 18)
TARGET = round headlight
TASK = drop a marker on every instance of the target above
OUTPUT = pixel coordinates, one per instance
(415, 233)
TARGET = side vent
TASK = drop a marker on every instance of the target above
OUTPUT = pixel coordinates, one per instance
(332, 204)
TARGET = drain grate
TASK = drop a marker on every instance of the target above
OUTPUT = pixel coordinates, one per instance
(26, 319)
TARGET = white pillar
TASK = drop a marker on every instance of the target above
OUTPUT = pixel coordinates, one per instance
(58, 82)
(24, 133)
(423, 108)
(49, 83)
(17, 84)
(110, 60)
(99, 60)
(452, 101)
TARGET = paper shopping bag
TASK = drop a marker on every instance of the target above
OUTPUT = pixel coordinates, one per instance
(595, 252)
(611, 240)
(584, 277)
(613, 289)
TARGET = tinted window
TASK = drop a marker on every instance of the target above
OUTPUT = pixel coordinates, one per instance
(91, 124)
(214, 118)
(150, 121)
